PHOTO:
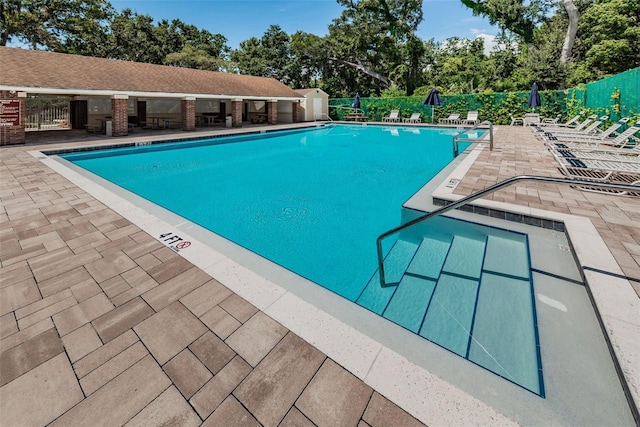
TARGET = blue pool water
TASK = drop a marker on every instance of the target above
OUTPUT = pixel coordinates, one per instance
(314, 201)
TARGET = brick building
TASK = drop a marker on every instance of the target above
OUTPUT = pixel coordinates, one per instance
(44, 90)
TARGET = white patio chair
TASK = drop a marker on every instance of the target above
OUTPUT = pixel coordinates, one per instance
(542, 130)
(570, 123)
(451, 120)
(415, 118)
(588, 129)
(598, 169)
(393, 117)
(620, 140)
(517, 121)
(599, 153)
(603, 135)
(550, 121)
(472, 118)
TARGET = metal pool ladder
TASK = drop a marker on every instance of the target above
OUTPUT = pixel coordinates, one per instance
(481, 193)
(458, 138)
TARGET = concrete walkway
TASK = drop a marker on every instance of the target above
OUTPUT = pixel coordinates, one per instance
(102, 324)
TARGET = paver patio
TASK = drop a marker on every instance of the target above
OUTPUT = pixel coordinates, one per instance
(102, 324)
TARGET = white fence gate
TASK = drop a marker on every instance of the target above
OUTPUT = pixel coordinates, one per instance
(47, 113)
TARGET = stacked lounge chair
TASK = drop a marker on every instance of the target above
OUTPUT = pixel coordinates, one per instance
(601, 162)
(551, 121)
(599, 153)
(591, 139)
(620, 140)
(569, 124)
(592, 129)
(579, 127)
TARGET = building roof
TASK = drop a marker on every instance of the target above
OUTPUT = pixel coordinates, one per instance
(304, 92)
(49, 72)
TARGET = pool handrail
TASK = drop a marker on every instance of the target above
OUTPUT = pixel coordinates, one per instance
(457, 138)
(322, 117)
(492, 188)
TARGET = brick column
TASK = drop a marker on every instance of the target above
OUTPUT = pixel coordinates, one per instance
(273, 112)
(188, 106)
(14, 132)
(295, 112)
(120, 115)
(236, 112)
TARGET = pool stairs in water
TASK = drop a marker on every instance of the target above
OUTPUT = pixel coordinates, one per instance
(471, 294)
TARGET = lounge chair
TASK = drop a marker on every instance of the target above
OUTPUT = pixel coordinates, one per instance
(590, 130)
(517, 121)
(393, 117)
(587, 128)
(570, 123)
(600, 170)
(620, 140)
(451, 120)
(550, 121)
(596, 169)
(540, 129)
(415, 118)
(599, 153)
(472, 118)
(577, 137)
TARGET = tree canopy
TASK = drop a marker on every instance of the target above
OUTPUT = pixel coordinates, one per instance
(371, 48)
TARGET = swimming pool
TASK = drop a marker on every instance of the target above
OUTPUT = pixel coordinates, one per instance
(314, 202)
(581, 385)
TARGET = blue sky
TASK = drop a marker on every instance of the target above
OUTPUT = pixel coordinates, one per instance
(240, 20)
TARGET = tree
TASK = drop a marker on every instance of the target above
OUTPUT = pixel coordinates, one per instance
(572, 29)
(608, 40)
(541, 62)
(268, 56)
(308, 53)
(523, 18)
(191, 57)
(461, 65)
(48, 24)
(276, 53)
(503, 65)
(373, 44)
(513, 15)
(185, 45)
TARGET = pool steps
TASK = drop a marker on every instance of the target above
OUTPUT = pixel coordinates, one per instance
(470, 294)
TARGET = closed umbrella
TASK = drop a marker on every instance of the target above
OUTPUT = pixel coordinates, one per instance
(356, 101)
(534, 97)
(433, 99)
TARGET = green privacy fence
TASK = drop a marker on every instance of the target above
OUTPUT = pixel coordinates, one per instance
(616, 96)
(619, 93)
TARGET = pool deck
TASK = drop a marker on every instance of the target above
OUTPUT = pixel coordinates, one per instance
(101, 323)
